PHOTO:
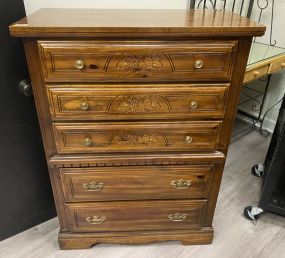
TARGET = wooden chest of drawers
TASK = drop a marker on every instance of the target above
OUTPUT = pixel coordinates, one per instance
(136, 111)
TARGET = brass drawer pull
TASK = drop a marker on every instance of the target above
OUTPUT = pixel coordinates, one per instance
(79, 64)
(93, 186)
(87, 141)
(194, 104)
(181, 184)
(96, 219)
(176, 217)
(199, 64)
(188, 139)
(84, 106)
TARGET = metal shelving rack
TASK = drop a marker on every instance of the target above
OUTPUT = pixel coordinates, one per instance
(252, 95)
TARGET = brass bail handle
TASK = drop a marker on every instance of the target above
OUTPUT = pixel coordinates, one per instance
(181, 184)
(93, 186)
(177, 217)
(94, 220)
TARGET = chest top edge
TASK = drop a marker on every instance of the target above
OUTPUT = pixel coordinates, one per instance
(141, 23)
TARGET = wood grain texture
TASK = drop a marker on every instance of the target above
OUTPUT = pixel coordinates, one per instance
(85, 240)
(136, 183)
(136, 102)
(136, 136)
(40, 97)
(234, 235)
(234, 95)
(96, 22)
(138, 63)
(137, 60)
(136, 215)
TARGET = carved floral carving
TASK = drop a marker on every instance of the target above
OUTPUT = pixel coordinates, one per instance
(136, 138)
(138, 103)
(139, 63)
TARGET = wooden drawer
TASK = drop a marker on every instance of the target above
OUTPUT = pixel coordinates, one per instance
(135, 183)
(256, 73)
(136, 215)
(277, 66)
(136, 136)
(136, 102)
(137, 61)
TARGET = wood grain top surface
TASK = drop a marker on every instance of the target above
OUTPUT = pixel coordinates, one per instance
(106, 22)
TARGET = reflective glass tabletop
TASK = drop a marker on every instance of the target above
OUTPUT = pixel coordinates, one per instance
(260, 52)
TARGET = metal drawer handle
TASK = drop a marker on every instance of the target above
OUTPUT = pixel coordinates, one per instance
(188, 139)
(176, 217)
(199, 64)
(87, 141)
(181, 184)
(194, 104)
(96, 219)
(84, 106)
(93, 186)
(79, 64)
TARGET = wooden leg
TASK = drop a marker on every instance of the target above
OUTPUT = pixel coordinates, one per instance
(191, 242)
(87, 240)
(76, 243)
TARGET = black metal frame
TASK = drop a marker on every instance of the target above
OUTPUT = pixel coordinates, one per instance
(272, 199)
(234, 7)
(258, 119)
(205, 4)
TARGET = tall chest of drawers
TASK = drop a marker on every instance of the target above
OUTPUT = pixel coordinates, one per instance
(136, 109)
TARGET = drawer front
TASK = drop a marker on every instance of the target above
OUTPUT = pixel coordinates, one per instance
(136, 102)
(135, 183)
(137, 61)
(136, 136)
(277, 66)
(256, 73)
(136, 215)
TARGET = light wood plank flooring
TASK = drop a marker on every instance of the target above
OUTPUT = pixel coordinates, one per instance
(235, 237)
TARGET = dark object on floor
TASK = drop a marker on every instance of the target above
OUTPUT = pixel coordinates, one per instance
(273, 174)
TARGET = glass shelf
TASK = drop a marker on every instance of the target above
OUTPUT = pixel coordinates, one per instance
(260, 52)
